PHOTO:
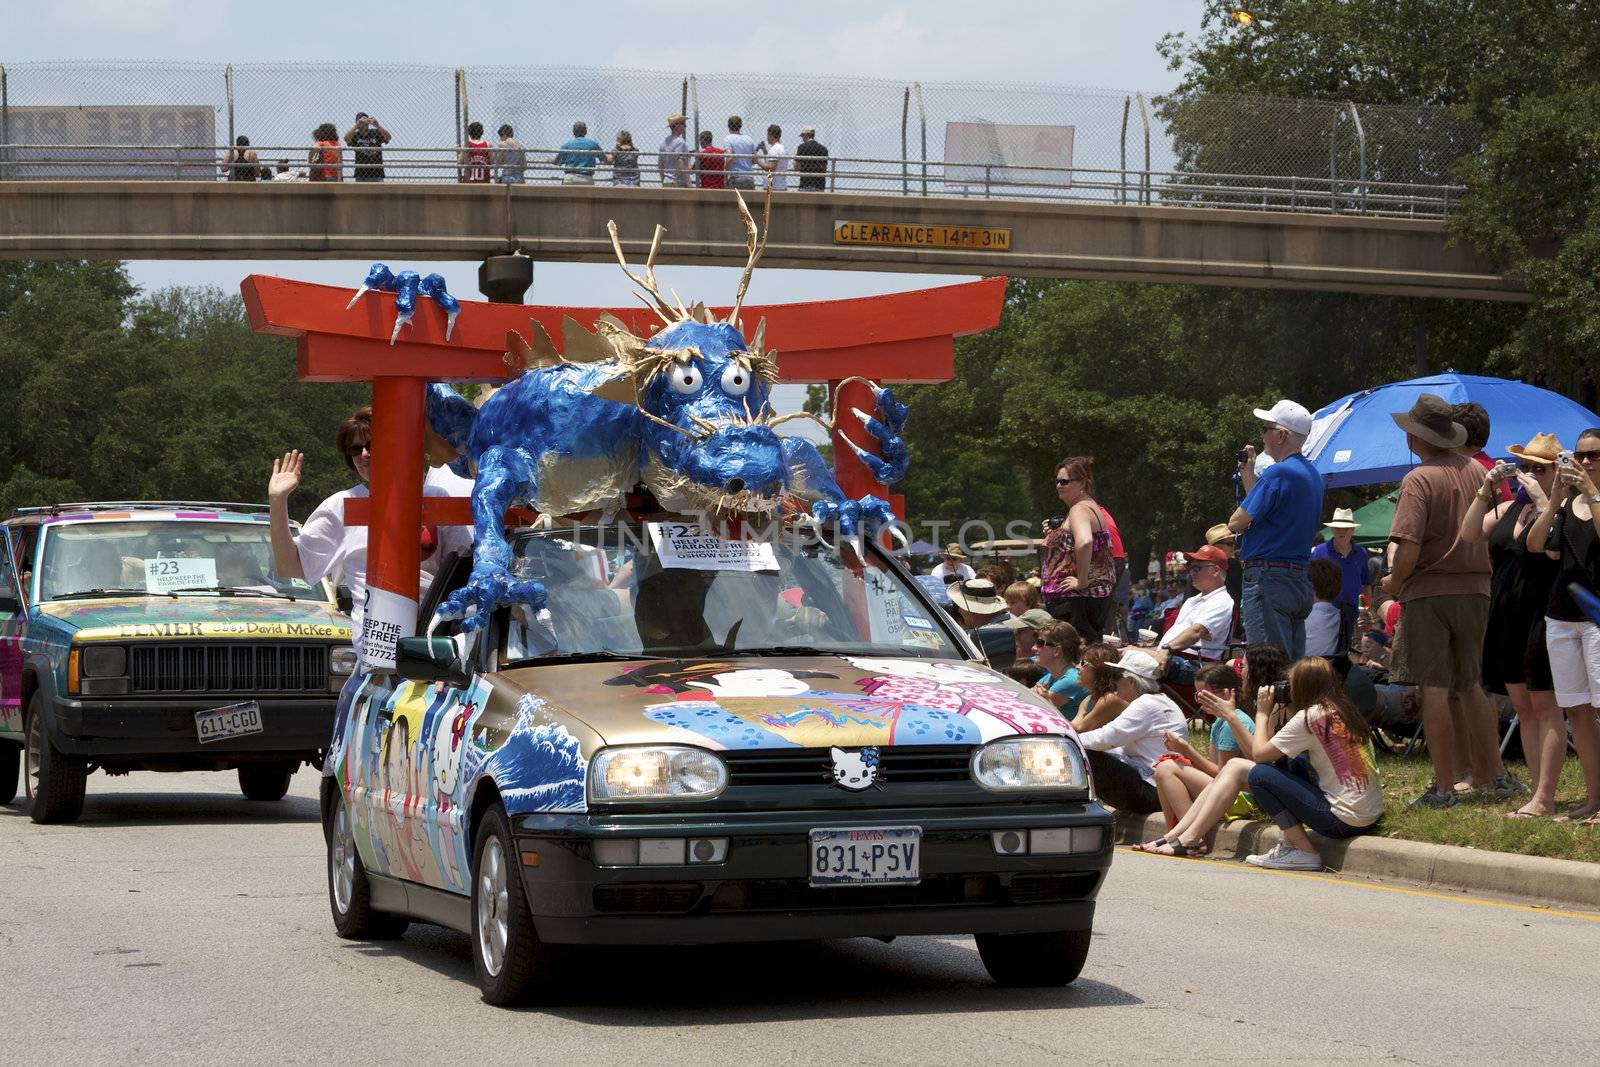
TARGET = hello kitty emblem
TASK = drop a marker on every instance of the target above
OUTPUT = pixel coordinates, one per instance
(855, 771)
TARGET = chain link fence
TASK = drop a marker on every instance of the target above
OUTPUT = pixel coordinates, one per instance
(165, 120)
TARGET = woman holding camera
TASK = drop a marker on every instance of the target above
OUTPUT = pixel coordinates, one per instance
(1076, 562)
(1515, 660)
(1568, 528)
(1345, 798)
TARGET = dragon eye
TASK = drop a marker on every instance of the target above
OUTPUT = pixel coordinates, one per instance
(684, 378)
(735, 380)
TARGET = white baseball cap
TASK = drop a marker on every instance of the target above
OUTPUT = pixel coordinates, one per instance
(1137, 663)
(1289, 415)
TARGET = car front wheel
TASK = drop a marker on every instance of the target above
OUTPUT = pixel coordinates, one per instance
(349, 892)
(513, 966)
(265, 781)
(1047, 959)
(55, 782)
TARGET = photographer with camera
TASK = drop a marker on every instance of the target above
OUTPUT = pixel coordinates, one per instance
(367, 137)
(1568, 528)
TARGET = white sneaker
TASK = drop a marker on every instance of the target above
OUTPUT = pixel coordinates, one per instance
(1285, 857)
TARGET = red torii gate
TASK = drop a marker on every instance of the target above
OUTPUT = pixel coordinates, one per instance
(901, 337)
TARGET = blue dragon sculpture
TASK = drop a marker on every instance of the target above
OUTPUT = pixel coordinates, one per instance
(687, 412)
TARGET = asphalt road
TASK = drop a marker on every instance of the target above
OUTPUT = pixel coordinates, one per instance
(179, 923)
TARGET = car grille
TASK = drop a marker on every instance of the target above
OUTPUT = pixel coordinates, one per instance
(229, 667)
(809, 766)
(796, 894)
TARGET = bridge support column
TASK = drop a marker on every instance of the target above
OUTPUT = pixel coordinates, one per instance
(505, 279)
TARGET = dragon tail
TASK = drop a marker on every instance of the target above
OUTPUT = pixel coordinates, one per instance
(451, 416)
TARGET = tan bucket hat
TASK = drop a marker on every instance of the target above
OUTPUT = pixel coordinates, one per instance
(1542, 449)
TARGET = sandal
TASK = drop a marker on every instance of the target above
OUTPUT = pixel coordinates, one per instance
(1150, 846)
(1183, 851)
(1520, 814)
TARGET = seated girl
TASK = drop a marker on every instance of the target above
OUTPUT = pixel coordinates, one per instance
(1182, 774)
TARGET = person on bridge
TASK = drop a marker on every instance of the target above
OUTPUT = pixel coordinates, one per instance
(473, 161)
(511, 159)
(241, 164)
(367, 137)
(811, 161)
(1278, 521)
(579, 156)
(1079, 572)
(741, 155)
(775, 159)
(624, 160)
(672, 158)
(326, 160)
(711, 164)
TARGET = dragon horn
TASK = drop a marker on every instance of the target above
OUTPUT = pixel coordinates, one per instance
(752, 247)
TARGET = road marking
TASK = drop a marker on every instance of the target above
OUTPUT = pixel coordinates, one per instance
(1225, 865)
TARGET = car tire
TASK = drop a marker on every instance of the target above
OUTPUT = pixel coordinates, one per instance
(265, 781)
(10, 764)
(512, 964)
(55, 782)
(1048, 959)
(349, 892)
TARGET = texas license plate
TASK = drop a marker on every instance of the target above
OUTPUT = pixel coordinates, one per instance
(887, 855)
(235, 720)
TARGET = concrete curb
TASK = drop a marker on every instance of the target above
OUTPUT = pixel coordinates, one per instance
(1567, 883)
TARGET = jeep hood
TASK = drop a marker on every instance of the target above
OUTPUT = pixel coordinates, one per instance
(164, 618)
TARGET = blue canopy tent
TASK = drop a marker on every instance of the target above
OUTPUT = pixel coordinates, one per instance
(1354, 441)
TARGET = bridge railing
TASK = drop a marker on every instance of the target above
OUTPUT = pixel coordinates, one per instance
(844, 174)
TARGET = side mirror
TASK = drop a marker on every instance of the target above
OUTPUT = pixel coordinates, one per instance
(10, 605)
(429, 659)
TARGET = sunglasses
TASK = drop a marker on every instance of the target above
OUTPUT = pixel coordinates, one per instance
(1068, 481)
(356, 450)
(1533, 468)
(1588, 455)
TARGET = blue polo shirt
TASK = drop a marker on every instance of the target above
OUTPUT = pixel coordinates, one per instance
(1353, 567)
(579, 155)
(1285, 507)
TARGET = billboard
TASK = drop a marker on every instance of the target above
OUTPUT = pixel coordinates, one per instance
(151, 141)
(992, 153)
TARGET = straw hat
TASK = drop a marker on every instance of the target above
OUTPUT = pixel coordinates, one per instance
(1220, 533)
(953, 550)
(1542, 449)
(673, 120)
(1343, 519)
(976, 595)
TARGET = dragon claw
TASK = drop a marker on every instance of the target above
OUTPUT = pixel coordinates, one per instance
(866, 515)
(490, 587)
(407, 286)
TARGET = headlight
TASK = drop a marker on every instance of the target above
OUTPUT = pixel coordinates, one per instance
(104, 661)
(341, 660)
(1040, 762)
(656, 772)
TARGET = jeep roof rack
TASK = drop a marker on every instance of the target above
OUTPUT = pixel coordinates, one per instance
(122, 505)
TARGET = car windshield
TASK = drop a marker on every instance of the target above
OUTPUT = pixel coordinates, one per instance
(646, 589)
(172, 557)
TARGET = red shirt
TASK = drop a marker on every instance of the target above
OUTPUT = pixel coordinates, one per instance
(1111, 528)
(1482, 459)
(712, 166)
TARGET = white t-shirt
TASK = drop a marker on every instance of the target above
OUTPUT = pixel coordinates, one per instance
(781, 161)
(1322, 629)
(964, 572)
(329, 548)
(1135, 736)
(1214, 611)
(1345, 773)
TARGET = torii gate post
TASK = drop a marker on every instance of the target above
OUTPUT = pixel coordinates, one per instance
(902, 337)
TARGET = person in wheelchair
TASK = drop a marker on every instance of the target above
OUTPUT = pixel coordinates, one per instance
(1204, 624)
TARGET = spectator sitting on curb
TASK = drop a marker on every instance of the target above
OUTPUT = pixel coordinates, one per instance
(1264, 666)
(1027, 629)
(1101, 703)
(1123, 753)
(1341, 797)
(1204, 622)
(1025, 673)
(1183, 774)
(1059, 647)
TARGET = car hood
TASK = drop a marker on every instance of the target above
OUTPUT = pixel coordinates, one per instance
(775, 702)
(135, 618)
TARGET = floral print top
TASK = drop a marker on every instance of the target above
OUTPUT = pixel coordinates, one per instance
(1059, 561)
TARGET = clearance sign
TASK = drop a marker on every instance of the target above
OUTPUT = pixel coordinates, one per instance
(906, 235)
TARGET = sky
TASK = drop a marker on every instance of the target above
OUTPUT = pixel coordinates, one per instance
(1065, 43)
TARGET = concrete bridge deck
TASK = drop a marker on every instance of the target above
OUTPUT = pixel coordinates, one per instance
(399, 223)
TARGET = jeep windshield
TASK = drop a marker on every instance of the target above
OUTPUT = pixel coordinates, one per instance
(164, 557)
(664, 589)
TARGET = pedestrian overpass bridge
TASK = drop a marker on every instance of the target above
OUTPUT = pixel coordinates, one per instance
(135, 219)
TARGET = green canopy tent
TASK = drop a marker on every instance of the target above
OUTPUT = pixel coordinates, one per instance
(1376, 518)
